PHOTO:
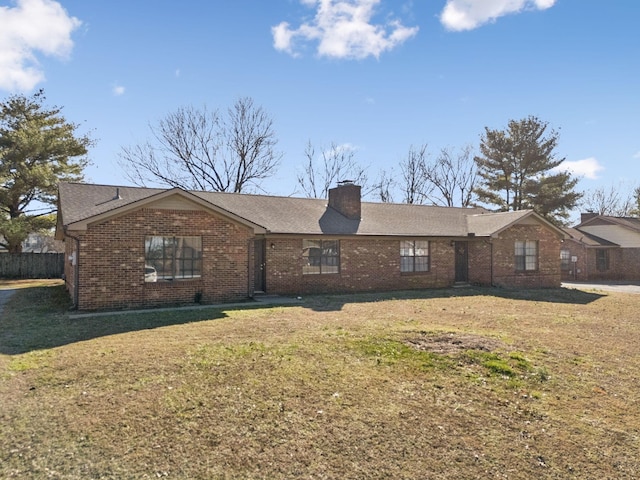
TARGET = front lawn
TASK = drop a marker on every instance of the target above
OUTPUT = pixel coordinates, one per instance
(446, 384)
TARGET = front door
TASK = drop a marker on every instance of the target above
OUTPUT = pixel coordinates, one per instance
(462, 261)
(259, 265)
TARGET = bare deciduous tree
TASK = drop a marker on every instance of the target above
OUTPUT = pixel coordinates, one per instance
(337, 163)
(384, 186)
(198, 149)
(636, 208)
(452, 178)
(614, 200)
(414, 186)
(448, 179)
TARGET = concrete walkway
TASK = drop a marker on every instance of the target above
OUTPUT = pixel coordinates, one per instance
(258, 301)
(622, 287)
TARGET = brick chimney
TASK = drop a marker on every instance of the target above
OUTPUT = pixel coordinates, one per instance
(587, 216)
(345, 198)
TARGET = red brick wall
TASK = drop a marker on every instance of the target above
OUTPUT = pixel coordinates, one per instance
(579, 271)
(624, 264)
(374, 265)
(111, 274)
(480, 262)
(630, 264)
(548, 272)
(365, 265)
(112, 262)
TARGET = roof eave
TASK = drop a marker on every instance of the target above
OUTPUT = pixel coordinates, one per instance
(82, 225)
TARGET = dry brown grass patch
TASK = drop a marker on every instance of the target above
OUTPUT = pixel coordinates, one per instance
(443, 384)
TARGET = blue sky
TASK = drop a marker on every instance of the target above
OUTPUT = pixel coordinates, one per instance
(376, 76)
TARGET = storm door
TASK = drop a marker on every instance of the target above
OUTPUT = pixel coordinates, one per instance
(259, 265)
(462, 261)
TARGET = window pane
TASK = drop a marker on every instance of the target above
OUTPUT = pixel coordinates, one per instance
(406, 264)
(531, 263)
(311, 269)
(330, 269)
(165, 268)
(172, 257)
(320, 256)
(189, 252)
(602, 259)
(422, 264)
(406, 249)
(308, 244)
(311, 251)
(526, 255)
(422, 245)
(414, 256)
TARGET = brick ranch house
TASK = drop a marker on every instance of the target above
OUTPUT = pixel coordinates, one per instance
(130, 247)
(602, 247)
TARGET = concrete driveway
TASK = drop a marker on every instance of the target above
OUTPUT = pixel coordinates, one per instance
(623, 287)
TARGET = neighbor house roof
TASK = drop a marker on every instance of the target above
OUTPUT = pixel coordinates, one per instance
(82, 203)
(587, 239)
(632, 223)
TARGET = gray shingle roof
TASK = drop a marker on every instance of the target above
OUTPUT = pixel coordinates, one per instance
(290, 215)
(632, 223)
(588, 239)
(486, 224)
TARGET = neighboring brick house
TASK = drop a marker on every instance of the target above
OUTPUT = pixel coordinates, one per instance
(129, 247)
(602, 247)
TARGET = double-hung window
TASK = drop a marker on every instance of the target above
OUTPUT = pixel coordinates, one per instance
(320, 257)
(526, 255)
(565, 260)
(172, 258)
(602, 260)
(414, 256)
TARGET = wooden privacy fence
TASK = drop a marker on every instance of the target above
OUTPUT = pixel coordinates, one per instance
(31, 265)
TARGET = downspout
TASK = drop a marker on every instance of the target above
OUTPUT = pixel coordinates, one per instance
(250, 265)
(76, 271)
(491, 262)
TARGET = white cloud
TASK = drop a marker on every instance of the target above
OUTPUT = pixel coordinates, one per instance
(587, 168)
(342, 29)
(118, 90)
(461, 15)
(32, 26)
(637, 155)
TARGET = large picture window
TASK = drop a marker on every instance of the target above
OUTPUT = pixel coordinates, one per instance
(321, 256)
(526, 255)
(414, 256)
(172, 258)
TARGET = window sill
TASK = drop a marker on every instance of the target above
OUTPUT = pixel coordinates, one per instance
(173, 280)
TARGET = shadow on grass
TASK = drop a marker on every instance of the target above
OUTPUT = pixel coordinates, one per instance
(37, 318)
(552, 295)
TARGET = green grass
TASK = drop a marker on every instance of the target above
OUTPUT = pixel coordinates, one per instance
(437, 384)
